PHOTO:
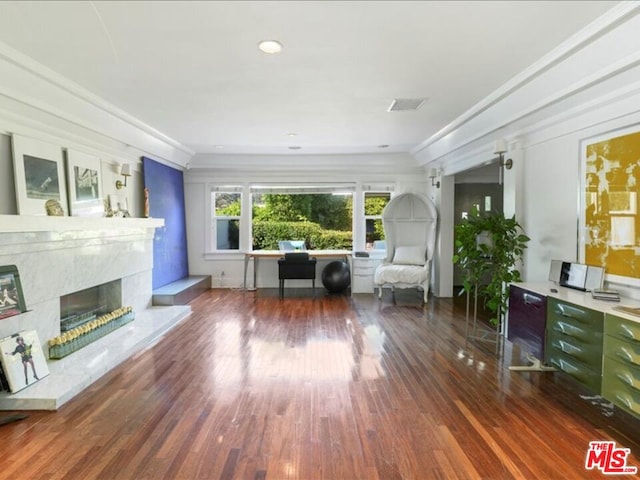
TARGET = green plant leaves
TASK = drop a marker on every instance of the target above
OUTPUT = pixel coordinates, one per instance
(487, 248)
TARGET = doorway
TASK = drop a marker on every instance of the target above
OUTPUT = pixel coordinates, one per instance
(477, 188)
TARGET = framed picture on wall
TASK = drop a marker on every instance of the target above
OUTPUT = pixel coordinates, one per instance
(11, 296)
(22, 359)
(609, 233)
(85, 184)
(39, 175)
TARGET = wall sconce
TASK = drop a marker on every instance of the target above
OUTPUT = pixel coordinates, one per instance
(433, 173)
(500, 148)
(125, 171)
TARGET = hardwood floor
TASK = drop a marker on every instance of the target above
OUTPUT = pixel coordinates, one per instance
(330, 387)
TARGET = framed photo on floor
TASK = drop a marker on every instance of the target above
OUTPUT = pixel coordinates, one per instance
(11, 296)
(39, 175)
(22, 360)
(85, 184)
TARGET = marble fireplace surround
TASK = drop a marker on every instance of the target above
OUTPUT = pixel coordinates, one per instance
(56, 256)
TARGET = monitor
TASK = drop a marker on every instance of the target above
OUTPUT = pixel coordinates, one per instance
(291, 245)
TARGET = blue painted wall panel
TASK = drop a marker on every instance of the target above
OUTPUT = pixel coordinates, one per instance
(166, 200)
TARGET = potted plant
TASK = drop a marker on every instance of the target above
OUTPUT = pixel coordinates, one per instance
(487, 248)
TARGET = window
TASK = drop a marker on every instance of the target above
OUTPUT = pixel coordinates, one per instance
(319, 215)
(374, 203)
(227, 208)
(259, 217)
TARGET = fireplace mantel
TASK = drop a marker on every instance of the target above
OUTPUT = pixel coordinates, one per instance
(43, 223)
(60, 255)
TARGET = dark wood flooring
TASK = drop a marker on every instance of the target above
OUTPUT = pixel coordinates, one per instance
(334, 387)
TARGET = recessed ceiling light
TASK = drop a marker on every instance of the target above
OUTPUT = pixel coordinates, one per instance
(292, 134)
(218, 146)
(383, 146)
(295, 147)
(270, 46)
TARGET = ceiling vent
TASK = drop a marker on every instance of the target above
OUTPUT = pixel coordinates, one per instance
(405, 104)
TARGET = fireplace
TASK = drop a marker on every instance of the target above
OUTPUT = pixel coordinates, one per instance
(88, 315)
(80, 307)
(59, 255)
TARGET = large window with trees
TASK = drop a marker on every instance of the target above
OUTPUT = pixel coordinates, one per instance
(323, 216)
(374, 203)
(323, 220)
(226, 213)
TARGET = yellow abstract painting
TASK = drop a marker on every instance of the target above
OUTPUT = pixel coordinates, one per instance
(612, 226)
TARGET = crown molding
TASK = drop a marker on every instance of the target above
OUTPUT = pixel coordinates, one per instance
(580, 40)
(285, 164)
(60, 82)
(618, 104)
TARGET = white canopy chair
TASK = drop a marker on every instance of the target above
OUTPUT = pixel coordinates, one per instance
(410, 222)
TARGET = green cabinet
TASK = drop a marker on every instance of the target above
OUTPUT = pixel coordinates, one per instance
(587, 339)
(621, 370)
(574, 341)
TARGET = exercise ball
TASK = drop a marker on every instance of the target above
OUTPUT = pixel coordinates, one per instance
(336, 277)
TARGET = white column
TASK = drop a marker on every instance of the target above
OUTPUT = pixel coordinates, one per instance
(359, 234)
(245, 220)
(443, 197)
(513, 188)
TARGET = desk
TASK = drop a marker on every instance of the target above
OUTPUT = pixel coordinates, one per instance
(256, 255)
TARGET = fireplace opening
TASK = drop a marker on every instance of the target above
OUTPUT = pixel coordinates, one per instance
(88, 315)
(83, 306)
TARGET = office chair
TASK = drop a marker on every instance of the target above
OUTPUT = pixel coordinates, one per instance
(298, 266)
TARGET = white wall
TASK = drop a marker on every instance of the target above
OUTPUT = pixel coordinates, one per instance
(550, 214)
(109, 171)
(195, 201)
(39, 103)
(400, 170)
(589, 86)
(444, 200)
(552, 211)
(589, 70)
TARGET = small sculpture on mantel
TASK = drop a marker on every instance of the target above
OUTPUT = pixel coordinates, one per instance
(146, 203)
(53, 208)
(108, 212)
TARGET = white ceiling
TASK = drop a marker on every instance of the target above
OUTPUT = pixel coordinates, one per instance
(192, 70)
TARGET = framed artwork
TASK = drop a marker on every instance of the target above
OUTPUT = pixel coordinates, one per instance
(85, 184)
(39, 175)
(119, 205)
(22, 360)
(609, 234)
(11, 296)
